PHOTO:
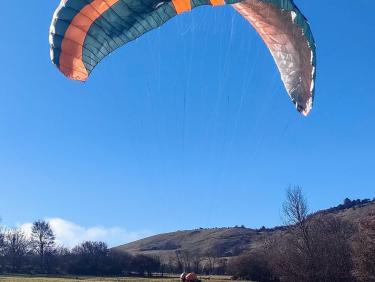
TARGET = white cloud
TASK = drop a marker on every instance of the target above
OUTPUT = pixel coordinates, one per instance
(70, 234)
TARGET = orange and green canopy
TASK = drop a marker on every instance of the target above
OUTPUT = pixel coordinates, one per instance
(83, 32)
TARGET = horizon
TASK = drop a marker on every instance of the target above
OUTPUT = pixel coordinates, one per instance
(70, 235)
(188, 126)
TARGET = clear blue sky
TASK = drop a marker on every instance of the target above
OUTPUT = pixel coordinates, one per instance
(189, 126)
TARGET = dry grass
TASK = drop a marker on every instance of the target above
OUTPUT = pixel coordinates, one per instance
(95, 279)
(84, 279)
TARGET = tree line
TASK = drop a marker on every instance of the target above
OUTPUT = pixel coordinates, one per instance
(39, 254)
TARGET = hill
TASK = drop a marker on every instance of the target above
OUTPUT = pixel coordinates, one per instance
(232, 241)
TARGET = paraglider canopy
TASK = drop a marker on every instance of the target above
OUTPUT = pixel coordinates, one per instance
(83, 32)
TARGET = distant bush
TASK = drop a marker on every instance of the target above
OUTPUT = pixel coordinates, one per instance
(348, 204)
(252, 267)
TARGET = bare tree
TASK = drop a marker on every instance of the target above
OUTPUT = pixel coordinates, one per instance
(314, 248)
(2, 248)
(16, 249)
(295, 206)
(43, 240)
(196, 263)
(296, 213)
(173, 264)
(184, 260)
(2, 239)
(162, 265)
(211, 258)
(179, 262)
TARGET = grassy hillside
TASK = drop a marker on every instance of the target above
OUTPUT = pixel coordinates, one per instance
(231, 242)
(220, 241)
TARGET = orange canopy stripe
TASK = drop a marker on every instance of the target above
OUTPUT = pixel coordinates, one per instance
(182, 6)
(71, 63)
(217, 2)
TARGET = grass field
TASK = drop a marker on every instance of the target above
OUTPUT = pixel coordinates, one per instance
(84, 279)
(114, 279)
